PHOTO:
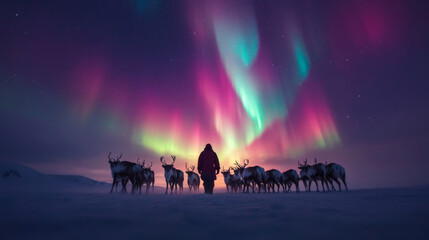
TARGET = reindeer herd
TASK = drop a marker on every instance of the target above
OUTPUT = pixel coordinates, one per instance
(140, 174)
(137, 173)
(245, 177)
(242, 178)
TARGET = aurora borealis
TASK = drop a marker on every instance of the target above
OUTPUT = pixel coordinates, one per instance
(272, 81)
(243, 94)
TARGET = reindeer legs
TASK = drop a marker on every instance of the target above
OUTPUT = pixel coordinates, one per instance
(344, 181)
(338, 182)
(317, 185)
(113, 184)
(171, 187)
(330, 180)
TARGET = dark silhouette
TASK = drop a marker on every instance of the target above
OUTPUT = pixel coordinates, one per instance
(193, 178)
(227, 178)
(147, 176)
(333, 172)
(312, 173)
(255, 175)
(289, 177)
(237, 182)
(139, 178)
(122, 171)
(208, 168)
(173, 176)
(273, 178)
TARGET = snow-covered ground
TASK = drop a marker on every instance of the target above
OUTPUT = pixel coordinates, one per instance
(93, 213)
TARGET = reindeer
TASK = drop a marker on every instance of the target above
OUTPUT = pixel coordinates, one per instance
(148, 176)
(121, 171)
(170, 174)
(320, 167)
(313, 173)
(180, 177)
(236, 180)
(303, 173)
(335, 171)
(289, 177)
(193, 178)
(227, 178)
(139, 178)
(173, 177)
(151, 177)
(113, 163)
(249, 174)
(273, 178)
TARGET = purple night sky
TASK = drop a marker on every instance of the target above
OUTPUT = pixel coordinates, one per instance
(271, 81)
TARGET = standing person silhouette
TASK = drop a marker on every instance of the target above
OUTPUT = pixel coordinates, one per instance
(208, 167)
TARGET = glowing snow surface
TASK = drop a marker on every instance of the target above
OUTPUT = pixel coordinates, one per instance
(93, 213)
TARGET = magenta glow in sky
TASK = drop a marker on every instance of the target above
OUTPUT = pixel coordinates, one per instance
(240, 95)
(272, 81)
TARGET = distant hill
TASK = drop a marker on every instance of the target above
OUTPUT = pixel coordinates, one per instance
(15, 176)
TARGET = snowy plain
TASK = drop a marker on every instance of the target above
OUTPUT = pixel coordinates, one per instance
(75, 207)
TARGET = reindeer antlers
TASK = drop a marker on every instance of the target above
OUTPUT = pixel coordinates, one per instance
(163, 161)
(112, 159)
(302, 165)
(236, 163)
(192, 167)
(144, 161)
(245, 163)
